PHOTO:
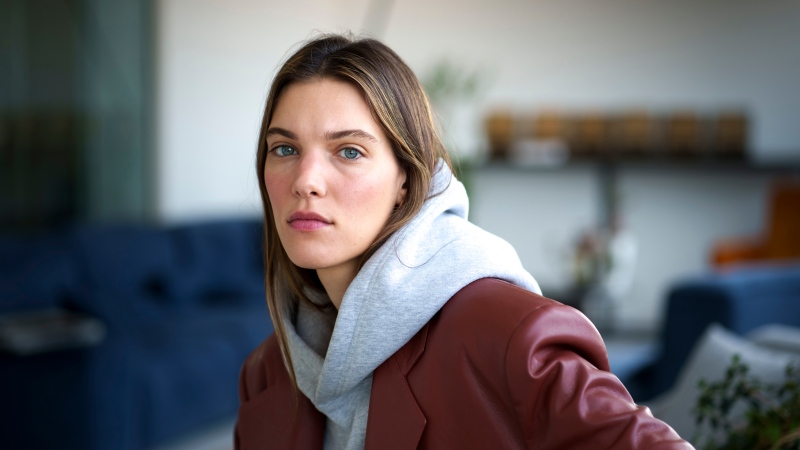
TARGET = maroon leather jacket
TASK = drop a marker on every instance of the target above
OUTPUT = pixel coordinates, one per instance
(497, 368)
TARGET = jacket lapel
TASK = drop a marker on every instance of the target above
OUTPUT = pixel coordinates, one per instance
(269, 422)
(395, 419)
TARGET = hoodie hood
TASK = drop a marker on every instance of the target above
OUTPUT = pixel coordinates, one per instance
(399, 289)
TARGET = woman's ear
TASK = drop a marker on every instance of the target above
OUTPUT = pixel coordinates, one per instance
(401, 193)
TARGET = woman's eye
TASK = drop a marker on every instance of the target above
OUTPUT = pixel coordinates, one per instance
(285, 150)
(351, 153)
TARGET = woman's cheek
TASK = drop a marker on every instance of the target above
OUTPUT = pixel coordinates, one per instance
(275, 189)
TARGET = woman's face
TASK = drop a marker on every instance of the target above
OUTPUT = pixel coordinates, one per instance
(331, 175)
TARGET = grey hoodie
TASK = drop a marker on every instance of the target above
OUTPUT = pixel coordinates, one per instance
(392, 297)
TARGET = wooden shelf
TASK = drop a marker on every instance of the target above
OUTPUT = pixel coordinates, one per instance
(660, 161)
(607, 167)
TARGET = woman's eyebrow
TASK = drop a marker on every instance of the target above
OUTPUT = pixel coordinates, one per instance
(281, 131)
(335, 135)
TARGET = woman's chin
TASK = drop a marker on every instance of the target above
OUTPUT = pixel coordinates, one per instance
(310, 262)
(303, 264)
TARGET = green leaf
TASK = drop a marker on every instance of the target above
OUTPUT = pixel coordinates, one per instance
(773, 432)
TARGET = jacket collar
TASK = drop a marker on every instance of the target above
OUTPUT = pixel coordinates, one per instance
(409, 354)
(278, 420)
(394, 415)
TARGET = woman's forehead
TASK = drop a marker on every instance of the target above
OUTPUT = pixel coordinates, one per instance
(325, 107)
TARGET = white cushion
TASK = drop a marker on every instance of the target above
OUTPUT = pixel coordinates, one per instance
(709, 360)
(777, 337)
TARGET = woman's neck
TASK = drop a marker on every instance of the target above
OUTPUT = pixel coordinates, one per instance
(336, 280)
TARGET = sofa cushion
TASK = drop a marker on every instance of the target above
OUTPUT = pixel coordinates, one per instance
(777, 337)
(132, 260)
(124, 271)
(219, 262)
(190, 379)
(35, 271)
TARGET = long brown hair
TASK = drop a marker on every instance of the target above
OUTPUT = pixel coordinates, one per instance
(399, 105)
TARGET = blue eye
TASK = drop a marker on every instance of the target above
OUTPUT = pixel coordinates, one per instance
(284, 150)
(351, 153)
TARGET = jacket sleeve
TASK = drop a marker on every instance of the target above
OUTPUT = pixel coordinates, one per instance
(565, 396)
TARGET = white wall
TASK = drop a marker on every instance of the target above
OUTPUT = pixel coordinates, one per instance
(216, 59)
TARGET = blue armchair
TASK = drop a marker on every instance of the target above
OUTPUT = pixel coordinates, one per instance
(740, 299)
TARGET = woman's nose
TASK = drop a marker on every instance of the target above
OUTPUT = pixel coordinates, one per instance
(310, 178)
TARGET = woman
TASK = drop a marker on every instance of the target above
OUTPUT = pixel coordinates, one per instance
(398, 323)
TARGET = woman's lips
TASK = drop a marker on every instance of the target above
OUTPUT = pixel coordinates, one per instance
(307, 221)
(307, 225)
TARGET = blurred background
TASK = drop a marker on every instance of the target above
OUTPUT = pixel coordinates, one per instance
(621, 147)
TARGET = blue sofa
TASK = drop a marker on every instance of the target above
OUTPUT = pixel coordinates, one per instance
(739, 299)
(182, 307)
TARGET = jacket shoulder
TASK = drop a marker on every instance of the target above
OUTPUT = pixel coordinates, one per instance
(489, 294)
(539, 365)
(512, 317)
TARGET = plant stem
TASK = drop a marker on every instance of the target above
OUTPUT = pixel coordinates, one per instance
(792, 436)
